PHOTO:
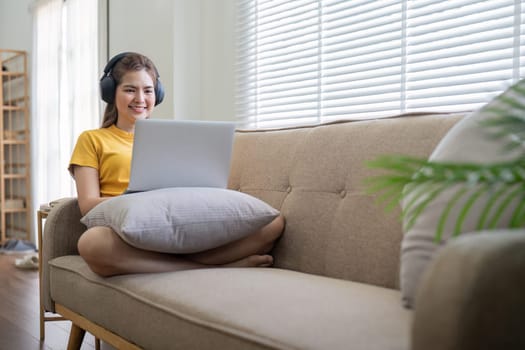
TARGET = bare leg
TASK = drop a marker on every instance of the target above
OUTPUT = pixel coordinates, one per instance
(260, 242)
(107, 254)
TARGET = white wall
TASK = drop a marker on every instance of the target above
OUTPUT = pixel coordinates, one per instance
(187, 72)
(204, 59)
(218, 58)
(191, 43)
(16, 31)
(145, 27)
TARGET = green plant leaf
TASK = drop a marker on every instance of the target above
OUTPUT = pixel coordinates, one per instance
(428, 197)
(518, 217)
(492, 199)
(417, 182)
(466, 208)
(444, 215)
(513, 192)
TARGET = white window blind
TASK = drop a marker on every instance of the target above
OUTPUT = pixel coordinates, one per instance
(314, 61)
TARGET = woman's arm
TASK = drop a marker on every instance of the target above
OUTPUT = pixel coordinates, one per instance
(88, 188)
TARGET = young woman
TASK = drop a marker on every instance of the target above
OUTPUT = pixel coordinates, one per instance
(100, 165)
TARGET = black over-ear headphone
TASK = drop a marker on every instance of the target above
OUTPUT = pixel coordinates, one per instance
(108, 85)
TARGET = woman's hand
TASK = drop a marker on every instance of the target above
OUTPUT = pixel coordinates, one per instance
(88, 188)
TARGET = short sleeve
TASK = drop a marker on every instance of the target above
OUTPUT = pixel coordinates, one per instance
(84, 153)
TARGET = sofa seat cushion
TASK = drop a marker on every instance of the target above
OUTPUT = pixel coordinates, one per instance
(234, 308)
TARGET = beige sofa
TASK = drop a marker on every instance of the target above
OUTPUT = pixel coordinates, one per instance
(335, 280)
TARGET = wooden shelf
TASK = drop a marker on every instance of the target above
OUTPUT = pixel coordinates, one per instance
(13, 74)
(14, 176)
(14, 142)
(14, 210)
(13, 108)
(15, 180)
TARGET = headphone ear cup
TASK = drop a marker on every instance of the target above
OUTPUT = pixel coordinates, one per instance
(107, 83)
(159, 92)
(107, 88)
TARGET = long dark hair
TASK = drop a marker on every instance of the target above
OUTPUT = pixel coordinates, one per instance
(130, 62)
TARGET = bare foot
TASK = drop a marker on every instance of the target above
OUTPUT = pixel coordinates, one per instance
(253, 261)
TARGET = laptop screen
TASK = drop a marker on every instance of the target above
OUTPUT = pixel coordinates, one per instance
(180, 153)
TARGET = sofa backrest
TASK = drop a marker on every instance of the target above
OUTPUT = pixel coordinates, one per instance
(315, 177)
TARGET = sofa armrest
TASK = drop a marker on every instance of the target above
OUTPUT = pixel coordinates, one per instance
(61, 232)
(473, 296)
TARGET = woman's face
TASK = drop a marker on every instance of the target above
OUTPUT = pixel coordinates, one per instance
(134, 98)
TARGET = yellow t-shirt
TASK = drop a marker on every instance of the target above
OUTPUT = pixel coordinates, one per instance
(109, 151)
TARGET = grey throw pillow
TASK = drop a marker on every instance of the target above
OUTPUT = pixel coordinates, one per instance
(182, 220)
(466, 142)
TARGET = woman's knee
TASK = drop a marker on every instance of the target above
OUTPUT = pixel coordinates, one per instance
(88, 241)
(92, 245)
(276, 228)
(271, 232)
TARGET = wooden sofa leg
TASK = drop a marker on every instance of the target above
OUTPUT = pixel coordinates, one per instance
(76, 336)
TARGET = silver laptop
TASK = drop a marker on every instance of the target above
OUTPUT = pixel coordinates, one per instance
(180, 153)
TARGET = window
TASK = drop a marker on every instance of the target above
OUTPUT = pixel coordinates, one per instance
(64, 90)
(314, 61)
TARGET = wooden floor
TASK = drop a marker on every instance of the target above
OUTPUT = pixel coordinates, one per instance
(19, 313)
